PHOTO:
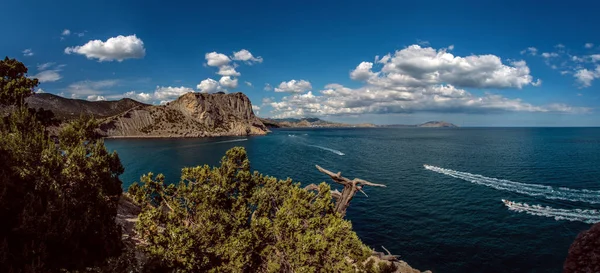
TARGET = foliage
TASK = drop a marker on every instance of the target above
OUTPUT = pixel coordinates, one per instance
(229, 219)
(58, 200)
(14, 85)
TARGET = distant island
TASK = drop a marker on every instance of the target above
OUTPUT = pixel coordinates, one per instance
(430, 124)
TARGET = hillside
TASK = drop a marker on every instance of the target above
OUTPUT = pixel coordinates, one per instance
(307, 122)
(191, 115)
(65, 109)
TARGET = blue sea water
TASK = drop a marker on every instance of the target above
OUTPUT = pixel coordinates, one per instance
(432, 219)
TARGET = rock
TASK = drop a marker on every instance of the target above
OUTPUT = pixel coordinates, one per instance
(584, 253)
(191, 115)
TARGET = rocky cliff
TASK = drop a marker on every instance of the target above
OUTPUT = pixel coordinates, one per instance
(191, 115)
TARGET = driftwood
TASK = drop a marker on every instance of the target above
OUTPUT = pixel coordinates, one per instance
(350, 188)
(386, 257)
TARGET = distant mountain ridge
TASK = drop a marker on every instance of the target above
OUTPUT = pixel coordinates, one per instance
(430, 124)
(308, 123)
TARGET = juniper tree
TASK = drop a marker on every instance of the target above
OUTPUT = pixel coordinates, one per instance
(58, 200)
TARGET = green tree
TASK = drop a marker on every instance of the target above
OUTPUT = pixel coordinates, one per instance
(14, 85)
(58, 199)
(229, 219)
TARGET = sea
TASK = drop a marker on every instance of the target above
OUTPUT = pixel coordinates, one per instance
(442, 209)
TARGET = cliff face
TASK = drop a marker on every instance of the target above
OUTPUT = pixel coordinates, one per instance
(191, 115)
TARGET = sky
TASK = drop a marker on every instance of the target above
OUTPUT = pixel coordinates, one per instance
(472, 63)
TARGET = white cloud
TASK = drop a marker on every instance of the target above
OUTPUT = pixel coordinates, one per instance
(266, 101)
(40, 90)
(209, 86)
(588, 45)
(418, 79)
(45, 66)
(530, 50)
(170, 93)
(95, 98)
(48, 76)
(228, 82)
(27, 52)
(363, 72)
(80, 34)
(585, 77)
(227, 70)
(216, 59)
(248, 83)
(255, 108)
(549, 55)
(86, 88)
(246, 56)
(268, 87)
(417, 66)
(161, 95)
(116, 48)
(595, 57)
(66, 32)
(294, 86)
(560, 46)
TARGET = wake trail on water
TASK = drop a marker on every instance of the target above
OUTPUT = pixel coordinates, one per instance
(582, 215)
(228, 141)
(327, 149)
(574, 195)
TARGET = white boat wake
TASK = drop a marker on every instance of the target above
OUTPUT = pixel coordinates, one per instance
(327, 149)
(232, 140)
(588, 196)
(582, 215)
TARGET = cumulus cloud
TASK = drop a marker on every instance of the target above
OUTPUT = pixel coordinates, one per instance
(209, 86)
(40, 90)
(27, 52)
(363, 71)
(161, 95)
(256, 109)
(116, 48)
(227, 70)
(417, 66)
(294, 86)
(216, 59)
(95, 98)
(585, 77)
(588, 45)
(246, 56)
(417, 79)
(228, 82)
(66, 32)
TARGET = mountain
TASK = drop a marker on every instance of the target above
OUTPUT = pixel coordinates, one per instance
(65, 109)
(307, 122)
(430, 124)
(191, 115)
(437, 124)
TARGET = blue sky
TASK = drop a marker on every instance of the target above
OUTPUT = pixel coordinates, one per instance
(509, 63)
